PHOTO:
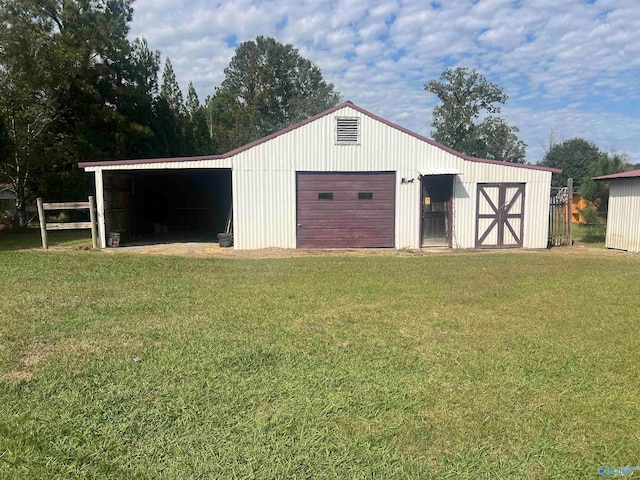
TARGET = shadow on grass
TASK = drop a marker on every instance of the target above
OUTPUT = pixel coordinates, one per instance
(590, 234)
(30, 238)
(593, 239)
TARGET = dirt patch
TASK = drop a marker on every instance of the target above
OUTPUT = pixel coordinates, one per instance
(29, 358)
(38, 352)
(212, 250)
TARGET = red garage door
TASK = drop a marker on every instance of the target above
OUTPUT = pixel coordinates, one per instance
(346, 210)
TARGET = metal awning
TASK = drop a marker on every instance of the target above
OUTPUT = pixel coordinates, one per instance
(439, 171)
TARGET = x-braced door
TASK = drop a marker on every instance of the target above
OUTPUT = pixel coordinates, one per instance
(500, 215)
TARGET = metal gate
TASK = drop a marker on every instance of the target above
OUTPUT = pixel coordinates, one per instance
(560, 215)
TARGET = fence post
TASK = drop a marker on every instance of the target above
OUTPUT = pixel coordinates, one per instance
(570, 210)
(92, 216)
(43, 223)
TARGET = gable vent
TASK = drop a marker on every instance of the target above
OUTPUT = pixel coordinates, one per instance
(347, 130)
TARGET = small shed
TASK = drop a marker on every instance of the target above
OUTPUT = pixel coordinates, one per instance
(7, 200)
(344, 178)
(623, 227)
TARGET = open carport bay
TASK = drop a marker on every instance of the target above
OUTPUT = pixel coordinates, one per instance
(167, 205)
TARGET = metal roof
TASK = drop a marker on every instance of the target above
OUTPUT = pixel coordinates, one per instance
(7, 192)
(309, 120)
(613, 176)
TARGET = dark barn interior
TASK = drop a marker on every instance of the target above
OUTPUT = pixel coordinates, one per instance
(437, 193)
(162, 206)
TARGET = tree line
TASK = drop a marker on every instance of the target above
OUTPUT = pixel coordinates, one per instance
(582, 160)
(74, 88)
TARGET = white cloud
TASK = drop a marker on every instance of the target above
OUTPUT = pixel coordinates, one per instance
(570, 64)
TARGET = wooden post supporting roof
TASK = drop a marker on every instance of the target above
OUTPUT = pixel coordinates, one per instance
(569, 212)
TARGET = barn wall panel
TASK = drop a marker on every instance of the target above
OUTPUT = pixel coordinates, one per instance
(264, 209)
(623, 229)
(311, 148)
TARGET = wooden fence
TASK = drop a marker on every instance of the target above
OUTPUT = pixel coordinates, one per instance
(44, 226)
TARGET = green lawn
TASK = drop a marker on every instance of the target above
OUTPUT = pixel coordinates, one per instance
(471, 366)
(591, 235)
(11, 240)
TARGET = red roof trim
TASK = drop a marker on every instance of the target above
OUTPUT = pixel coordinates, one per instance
(305, 122)
(288, 129)
(137, 161)
(451, 150)
(613, 176)
(224, 155)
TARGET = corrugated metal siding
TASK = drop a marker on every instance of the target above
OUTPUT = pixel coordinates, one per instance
(408, 209)
(264, 182)
(264, 209)
(623, 228)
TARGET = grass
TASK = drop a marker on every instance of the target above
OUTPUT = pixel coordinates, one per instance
(592, 235)
(30, 238)
(444, 366)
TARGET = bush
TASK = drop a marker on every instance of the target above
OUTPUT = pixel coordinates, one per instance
(590, 214)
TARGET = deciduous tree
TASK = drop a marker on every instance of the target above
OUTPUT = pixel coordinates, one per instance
(222, 112)
(465, 119)
(66, 93)
(575, 157)
(498, 140)
(270, 86)
(27, 83)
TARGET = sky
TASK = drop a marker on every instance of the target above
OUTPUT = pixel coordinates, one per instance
(571, 68)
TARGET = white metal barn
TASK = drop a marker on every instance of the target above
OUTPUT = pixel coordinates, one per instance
(344, 178)
(623, 228)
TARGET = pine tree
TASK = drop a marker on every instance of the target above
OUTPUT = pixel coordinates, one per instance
(198, 133)
(170, 90)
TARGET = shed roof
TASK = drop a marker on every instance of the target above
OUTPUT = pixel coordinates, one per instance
(304, 122)
(613, 176)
